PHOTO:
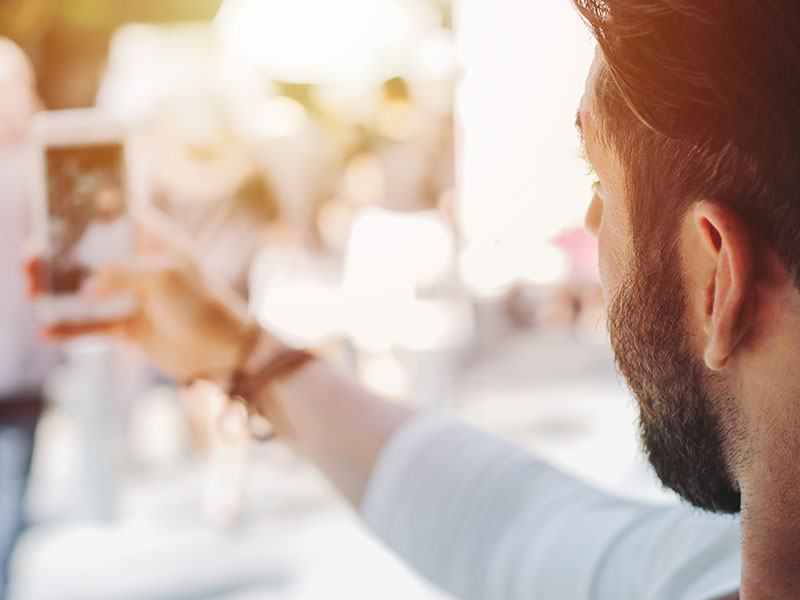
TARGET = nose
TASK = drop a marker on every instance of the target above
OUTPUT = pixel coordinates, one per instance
(594, 215)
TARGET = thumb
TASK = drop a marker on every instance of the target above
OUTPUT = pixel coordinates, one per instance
(156, 232)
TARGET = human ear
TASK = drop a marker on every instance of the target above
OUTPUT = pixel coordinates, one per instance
(728, 250)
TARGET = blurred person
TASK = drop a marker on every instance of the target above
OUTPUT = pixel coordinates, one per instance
(205, 179)
(691, 119)
(24, 358)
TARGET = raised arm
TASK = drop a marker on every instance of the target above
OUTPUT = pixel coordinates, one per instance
(334, 422)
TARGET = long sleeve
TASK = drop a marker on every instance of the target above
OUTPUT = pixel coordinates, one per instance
(485, 520)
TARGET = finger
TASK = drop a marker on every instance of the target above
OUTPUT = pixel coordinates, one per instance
(34, 268)
(68, 331)
(140, 274)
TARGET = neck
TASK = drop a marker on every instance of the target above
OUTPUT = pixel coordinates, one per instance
(771, 530)
(769, 467)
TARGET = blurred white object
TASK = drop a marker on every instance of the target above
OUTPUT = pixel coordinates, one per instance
(395, 254)
(294, 296)
(157, 432)
(229, 448)
(91, 362)
(391, 263)
(74, 466)
(520, 178)
(347, 41)
(491, 268)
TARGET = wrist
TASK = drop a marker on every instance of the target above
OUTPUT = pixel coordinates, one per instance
(227, 352)
(266, 360)
(258, 347)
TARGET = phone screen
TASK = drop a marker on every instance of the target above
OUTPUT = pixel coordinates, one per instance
(88, 222)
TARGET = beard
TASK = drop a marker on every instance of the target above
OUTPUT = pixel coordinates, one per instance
(681, 420)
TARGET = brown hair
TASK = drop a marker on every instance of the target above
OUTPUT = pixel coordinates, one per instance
(700, 99)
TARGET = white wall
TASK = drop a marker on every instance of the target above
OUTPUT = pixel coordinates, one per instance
(520, 177)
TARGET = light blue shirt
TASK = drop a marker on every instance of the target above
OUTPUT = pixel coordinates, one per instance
(486, 520)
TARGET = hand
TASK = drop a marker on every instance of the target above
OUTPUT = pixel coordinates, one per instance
(187, 326)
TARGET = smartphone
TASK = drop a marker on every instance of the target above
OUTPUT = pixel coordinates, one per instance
(81, 211)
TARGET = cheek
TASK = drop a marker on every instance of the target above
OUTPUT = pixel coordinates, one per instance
(613, 259)
(608, 277)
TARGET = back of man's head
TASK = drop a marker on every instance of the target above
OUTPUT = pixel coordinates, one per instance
(700, 99)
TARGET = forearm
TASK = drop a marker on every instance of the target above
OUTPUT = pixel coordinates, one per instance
(333, 421)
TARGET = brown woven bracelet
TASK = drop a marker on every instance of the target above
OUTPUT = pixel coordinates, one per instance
(246, 386)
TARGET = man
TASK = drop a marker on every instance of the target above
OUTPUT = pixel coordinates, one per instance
(691, 119)
(24, 360)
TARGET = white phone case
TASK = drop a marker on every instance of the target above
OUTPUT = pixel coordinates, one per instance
(83, 190)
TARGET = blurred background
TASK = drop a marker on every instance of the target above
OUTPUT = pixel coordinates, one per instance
(397, 182)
